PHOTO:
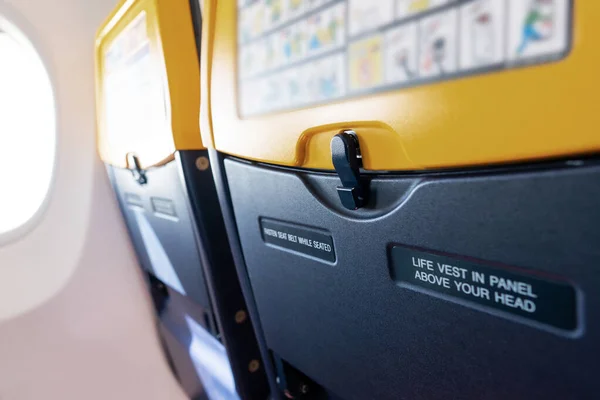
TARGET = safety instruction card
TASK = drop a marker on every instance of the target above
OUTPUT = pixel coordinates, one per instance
(135, 105)
(297, 53)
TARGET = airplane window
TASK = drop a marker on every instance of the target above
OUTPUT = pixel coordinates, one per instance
(27, 130)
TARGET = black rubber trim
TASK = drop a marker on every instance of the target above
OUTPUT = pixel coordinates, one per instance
(222, 279)
(573, 161)
(222, 187)
(197, 23)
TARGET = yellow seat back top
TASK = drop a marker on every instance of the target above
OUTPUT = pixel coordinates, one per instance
(424, 83)
(147, 82)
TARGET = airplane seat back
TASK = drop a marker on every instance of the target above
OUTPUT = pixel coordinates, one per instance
(148, 107)
(411, 217)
